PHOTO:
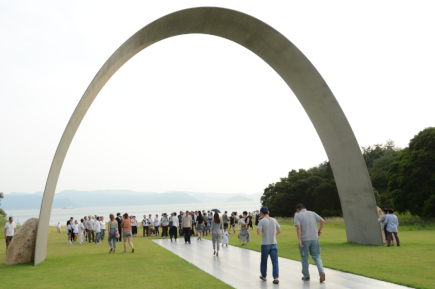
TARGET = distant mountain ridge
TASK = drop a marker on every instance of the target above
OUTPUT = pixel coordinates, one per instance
(108, 198)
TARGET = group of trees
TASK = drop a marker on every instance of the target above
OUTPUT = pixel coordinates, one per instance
(403, 179)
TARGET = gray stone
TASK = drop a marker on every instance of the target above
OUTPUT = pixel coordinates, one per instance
(349, 168)
(22, 247)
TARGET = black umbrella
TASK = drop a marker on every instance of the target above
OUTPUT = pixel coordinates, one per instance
(216, 210)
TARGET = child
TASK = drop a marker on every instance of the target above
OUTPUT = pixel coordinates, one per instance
(225, 237)
(58, 227)
(81, 231)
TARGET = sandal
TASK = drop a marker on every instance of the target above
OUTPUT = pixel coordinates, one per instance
(275, 282)
(262, 278)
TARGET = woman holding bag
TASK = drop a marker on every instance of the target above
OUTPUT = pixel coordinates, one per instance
(112, 228)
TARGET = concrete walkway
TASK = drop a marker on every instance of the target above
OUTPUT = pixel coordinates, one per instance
(240, 268)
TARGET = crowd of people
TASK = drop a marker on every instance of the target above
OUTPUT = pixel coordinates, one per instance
(93, 229)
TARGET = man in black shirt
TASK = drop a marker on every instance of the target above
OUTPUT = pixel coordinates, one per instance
(180, 218)
(250, 221)
(119, 220)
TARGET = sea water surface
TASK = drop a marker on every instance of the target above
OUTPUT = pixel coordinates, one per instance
(62, 215)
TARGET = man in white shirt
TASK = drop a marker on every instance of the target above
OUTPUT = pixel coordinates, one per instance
(10, 230)
(156, 225)
(97, 229)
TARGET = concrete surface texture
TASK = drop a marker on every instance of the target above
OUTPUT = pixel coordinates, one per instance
(350, 172)
(22, 247)
(240, 268)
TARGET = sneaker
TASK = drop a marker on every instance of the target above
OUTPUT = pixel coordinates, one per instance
(306, 279)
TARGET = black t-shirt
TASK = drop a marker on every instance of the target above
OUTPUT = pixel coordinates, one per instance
(232, 219)
(118, 219)
(199, 219)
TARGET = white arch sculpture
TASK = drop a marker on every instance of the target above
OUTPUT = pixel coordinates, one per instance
(350, 172)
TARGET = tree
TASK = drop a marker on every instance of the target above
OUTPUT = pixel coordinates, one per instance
(412, 176)
(315, 188)
(378, 160)
(2, 213)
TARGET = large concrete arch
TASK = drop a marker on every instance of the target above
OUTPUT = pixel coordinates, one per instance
(350, 172)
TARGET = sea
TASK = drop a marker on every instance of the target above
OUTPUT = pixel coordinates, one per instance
(62, 215)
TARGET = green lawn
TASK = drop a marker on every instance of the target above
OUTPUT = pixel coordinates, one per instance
(90, 266)
(412, 264)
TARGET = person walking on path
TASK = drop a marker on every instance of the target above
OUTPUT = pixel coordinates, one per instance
(392, 224)
(10, 230)
(173, 224)
(112, 227)
(187, 226)
(119, 221)
(308, 237)
(126, 232)
(199, 225)
(216, 226)
(90, 226)
(102, 228)
(244, 232)
(225, 237)
(97, 229)
(145, 225)
(269, 229)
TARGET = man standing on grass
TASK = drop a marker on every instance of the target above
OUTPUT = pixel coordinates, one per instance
(257, 218)
(225, 220)
(90, 226)
(145, 225)
(269, 228)
(119, 220)
(308, 236)
(10, 230)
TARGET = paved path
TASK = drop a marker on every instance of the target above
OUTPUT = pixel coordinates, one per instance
(240, 268)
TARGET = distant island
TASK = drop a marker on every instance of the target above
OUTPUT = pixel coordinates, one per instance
(239, 198)
(108, 198)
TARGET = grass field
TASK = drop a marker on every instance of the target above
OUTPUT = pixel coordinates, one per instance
(90, 266)
(412, 264)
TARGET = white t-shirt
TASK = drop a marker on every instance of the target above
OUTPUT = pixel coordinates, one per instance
(81, 227)
(103, 225)
(97, 227)
(156, 222)
(58, 225)
(75, 228)
(10, 229)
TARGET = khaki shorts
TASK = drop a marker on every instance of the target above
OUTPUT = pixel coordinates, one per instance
(126, 234)
(8, 240)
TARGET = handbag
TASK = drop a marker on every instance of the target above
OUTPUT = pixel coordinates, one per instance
(117, 233)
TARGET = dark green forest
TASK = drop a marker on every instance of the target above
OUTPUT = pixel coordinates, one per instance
(402, 179)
